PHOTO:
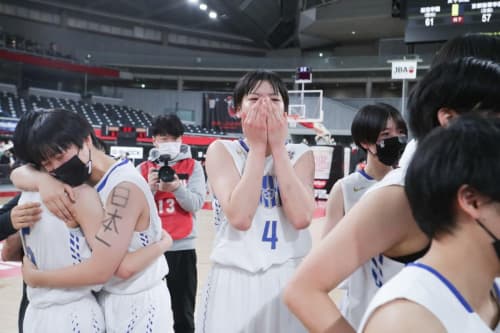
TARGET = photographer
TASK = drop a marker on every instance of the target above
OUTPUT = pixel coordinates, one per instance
(178, 184)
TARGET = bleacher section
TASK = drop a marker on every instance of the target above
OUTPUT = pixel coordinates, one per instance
(195, 129)
(98, 114)
(11, 106)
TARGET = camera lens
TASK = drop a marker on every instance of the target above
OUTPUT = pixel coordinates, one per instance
(166, 174)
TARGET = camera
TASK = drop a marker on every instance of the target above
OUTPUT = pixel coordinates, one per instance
(165, 173)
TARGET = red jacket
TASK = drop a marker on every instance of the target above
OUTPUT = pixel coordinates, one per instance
(175, 220)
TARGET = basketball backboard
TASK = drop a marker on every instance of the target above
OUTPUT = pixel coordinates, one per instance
(305, 106)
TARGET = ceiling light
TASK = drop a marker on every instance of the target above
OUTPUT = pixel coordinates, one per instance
(203, 6)
(353, 32)
(193, 1)
(212, 15)
(321, 54)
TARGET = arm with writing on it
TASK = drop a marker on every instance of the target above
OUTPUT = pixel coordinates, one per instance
(125, 205)
(90, 218)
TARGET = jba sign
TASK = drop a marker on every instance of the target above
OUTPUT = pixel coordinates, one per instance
(402, 70)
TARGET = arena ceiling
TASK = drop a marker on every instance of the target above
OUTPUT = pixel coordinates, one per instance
(266, 24)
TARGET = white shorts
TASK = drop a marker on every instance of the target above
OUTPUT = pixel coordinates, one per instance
(147, 311)
(84, 315)
(235, 300)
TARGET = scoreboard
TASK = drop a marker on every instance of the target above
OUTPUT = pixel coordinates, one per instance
(303, 75)
(440, 20)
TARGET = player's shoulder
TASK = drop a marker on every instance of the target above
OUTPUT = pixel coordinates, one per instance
(300, 152)
(298, 147)
(220, 151)
(222, 144)
(401, 315)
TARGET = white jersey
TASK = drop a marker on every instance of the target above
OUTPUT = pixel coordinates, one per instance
(124, 171)
(142, 302)
(50, 245)
(251, 268)
(271, 239)
(425, 286)
(354, 186)
(363, 283)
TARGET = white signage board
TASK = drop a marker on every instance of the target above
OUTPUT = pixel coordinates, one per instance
(135, 153)
(322, 161)
(404, 69)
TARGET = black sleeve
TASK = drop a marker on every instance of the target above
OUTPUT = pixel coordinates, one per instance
(6, 228)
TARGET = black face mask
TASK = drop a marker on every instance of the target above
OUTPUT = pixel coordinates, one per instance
(496, 241)
(389, 150)
(74, 172)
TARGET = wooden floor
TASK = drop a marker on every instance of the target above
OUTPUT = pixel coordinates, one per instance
(10, 286)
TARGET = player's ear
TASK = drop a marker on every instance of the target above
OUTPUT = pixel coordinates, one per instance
(444, 116)
(468, 200)
(88, 140)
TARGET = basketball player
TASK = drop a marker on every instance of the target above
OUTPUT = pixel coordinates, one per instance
(379, 130)
(51, 244)
(141, 302)
(263, 201)
(456, 203)
(381, 226)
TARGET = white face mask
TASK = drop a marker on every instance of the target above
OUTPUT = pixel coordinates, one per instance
(170, 148)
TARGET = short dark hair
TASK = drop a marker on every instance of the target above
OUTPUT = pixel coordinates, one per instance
(251, 79)
(463, 85)
(475, 45)
(168, 124)
(39, 135)
(464, 153)
(372, 119)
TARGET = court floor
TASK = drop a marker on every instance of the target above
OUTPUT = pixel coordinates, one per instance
(11, 281)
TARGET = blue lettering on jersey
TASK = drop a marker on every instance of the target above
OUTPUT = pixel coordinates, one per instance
(270, 194)
(377, 273)
(218, 219)
(144, 239)
(270, 238)
(74, 248)
(25, 231)
(30, 255)
(29, 252)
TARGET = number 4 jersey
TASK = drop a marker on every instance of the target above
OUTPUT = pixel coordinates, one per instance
(271, 239)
